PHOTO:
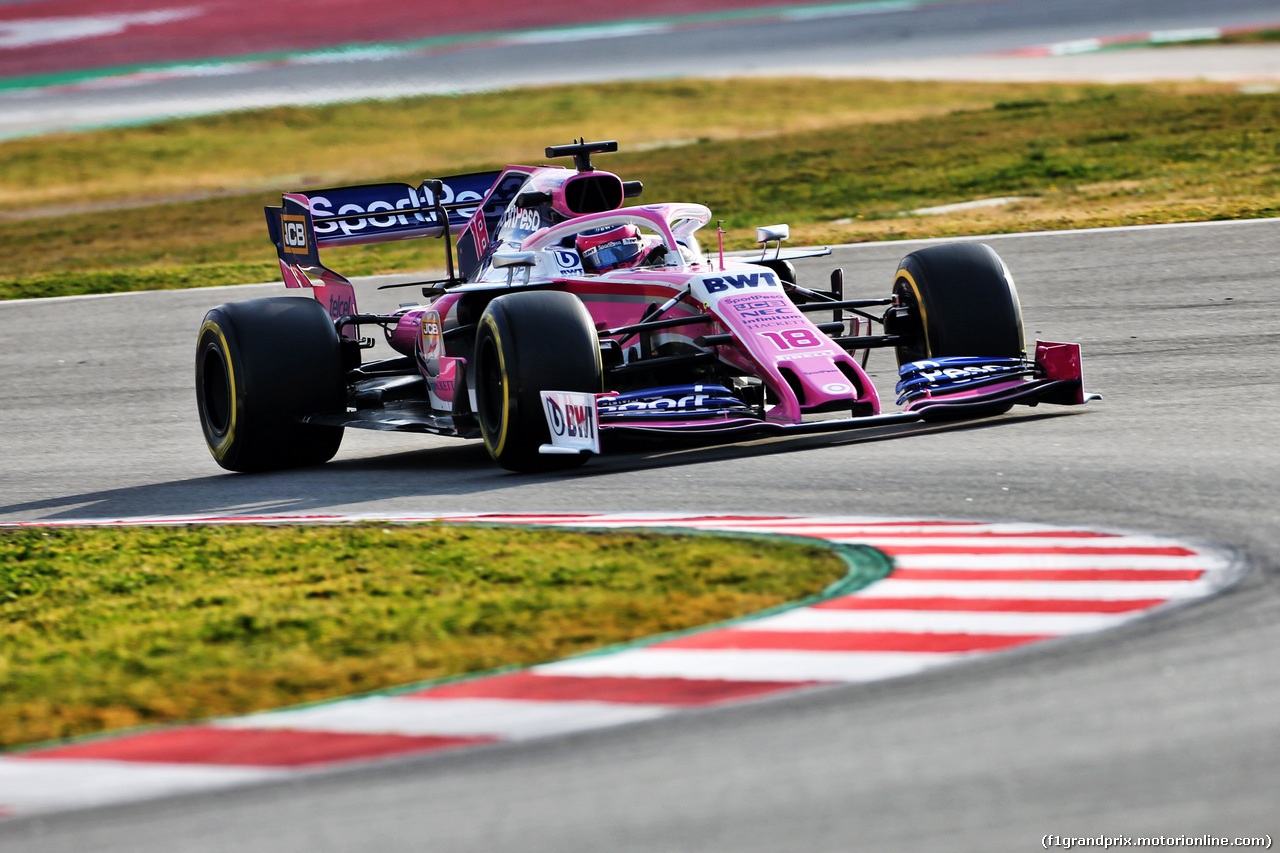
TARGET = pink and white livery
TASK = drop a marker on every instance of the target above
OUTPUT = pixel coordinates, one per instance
(569, 318)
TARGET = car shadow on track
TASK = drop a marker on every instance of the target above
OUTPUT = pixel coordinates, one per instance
(434, 475)
(645, 455)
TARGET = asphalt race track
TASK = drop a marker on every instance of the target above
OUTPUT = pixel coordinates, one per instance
(1163, 727)
(1166, 727)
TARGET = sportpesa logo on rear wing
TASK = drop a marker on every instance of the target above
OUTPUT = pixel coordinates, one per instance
(373, 213)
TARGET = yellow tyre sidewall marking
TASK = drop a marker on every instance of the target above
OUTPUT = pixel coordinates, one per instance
(924, 319)
(224, 445)
(507, 392)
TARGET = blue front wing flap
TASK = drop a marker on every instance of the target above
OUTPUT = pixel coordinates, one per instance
(938, 376)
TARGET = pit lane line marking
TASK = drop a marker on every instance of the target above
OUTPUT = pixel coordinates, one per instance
(940, 606)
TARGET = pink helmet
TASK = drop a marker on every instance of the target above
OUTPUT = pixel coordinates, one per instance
(611, 247)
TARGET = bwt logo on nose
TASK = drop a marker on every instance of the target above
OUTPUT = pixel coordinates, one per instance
(295, 234)
(719, 284)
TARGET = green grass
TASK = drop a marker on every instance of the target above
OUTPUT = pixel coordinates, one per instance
(295, 147)
(841, 161)
(102, 629)
(1124, 156)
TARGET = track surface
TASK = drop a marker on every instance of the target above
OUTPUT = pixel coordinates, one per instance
(1164, 727)
(902, 33)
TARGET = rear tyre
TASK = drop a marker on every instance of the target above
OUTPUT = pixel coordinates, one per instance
(961, 300)
(261, 365)
(530, 342)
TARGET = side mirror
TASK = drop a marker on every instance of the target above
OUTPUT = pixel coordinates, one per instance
(769, 233)
(511, 261)
(507, 260)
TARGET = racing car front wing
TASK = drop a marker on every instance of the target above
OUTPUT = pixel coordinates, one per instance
(1054, 377)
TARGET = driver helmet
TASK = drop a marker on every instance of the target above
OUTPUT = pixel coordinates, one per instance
(611, 247)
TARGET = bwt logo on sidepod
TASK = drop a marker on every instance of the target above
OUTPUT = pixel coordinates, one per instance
(719, 284)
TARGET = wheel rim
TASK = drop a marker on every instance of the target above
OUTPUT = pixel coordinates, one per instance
(215, 396)
(490, 389)
(912, 329)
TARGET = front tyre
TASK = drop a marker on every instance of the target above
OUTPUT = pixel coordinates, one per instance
(960, 300)
(529, 342)
(261, 365)
(784, 269)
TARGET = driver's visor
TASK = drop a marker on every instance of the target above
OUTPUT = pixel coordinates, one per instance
(612, 254)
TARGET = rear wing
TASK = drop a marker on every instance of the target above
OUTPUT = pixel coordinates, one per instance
(372, 213)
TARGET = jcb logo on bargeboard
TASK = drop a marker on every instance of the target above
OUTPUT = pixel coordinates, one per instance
(571, 421)
(295, 234)
(430, 332)
(719, 284)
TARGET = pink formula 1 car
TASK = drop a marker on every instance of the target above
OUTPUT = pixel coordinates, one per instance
(569, 318)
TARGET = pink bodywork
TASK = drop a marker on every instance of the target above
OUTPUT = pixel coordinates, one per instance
(776, 341)
(784, 339)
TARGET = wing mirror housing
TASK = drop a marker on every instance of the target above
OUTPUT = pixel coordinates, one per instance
(512, 261)
(767, 234)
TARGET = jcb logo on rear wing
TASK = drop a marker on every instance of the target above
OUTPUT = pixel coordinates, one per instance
(294, 235)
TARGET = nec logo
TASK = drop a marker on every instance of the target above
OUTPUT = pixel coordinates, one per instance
(753, 279)
(295, 234)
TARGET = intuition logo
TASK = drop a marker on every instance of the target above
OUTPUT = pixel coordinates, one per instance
(295, 234)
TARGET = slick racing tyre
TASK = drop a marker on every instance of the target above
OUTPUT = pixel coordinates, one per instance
(530, 342)
(262, 364)
(960, 300)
